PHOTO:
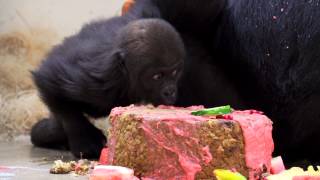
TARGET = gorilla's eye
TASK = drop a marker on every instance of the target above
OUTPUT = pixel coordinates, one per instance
(174, 73)
(157, 76)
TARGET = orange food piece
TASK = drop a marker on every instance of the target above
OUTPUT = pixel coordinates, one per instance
(126, 6)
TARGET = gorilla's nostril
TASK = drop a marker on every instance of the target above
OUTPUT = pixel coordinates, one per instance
(167, 93)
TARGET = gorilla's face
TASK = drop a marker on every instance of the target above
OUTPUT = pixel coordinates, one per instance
(159, 84)
(154, 57)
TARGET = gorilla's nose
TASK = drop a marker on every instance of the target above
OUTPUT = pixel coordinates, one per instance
(169, 94)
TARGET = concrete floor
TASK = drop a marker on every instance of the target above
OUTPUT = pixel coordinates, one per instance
(19, 159)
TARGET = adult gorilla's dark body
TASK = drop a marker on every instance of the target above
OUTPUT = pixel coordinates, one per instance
(261, 54)
(272, 48)
(267, 56)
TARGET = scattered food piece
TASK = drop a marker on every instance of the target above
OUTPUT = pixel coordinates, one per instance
(61, 167)
(104, 156)
(81, 167)
(126, 6)
(103, 172)
(306, 178)
(213, 111)
(296, 173)
(277, 165)
(223, 174)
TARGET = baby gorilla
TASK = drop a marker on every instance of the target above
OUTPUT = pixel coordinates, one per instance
(109, 63)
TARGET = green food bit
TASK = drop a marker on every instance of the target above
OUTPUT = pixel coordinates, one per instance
(223, 174)
(213, 111)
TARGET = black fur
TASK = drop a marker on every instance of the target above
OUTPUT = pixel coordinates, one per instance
(273, 48)
(261, 54)
(110, 63)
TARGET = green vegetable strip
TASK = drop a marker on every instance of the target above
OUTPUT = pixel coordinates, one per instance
(213, 111)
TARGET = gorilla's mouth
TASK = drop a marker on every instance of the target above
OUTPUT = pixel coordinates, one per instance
(169, 100)
(166, 101)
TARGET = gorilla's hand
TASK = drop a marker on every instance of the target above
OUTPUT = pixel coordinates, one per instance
(85, 140)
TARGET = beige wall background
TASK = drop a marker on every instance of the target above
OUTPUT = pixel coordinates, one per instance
(64, 17)
(28, 30)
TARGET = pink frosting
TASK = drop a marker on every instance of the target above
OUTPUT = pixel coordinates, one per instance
(183, 139)
(257, 132)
